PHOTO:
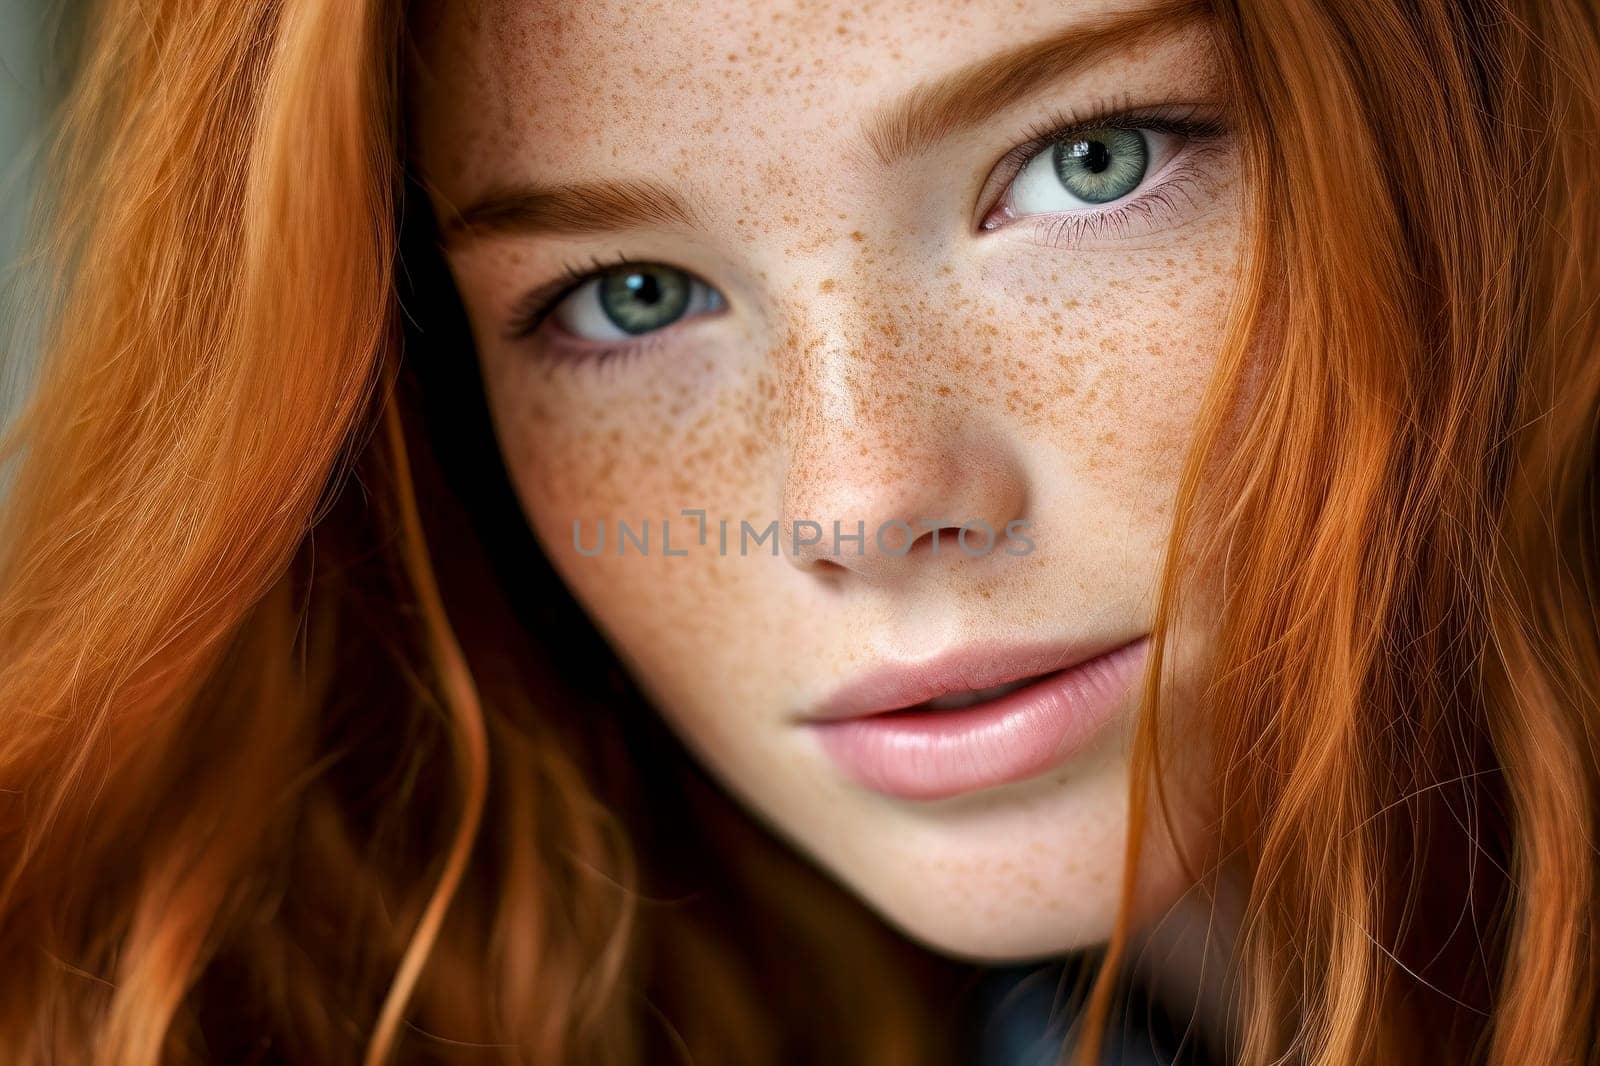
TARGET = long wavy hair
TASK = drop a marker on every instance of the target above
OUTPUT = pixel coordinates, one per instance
(283, 779)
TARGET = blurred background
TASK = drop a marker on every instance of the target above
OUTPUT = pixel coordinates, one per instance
(25, 97)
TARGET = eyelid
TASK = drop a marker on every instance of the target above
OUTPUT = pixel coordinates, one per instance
(1189, 121)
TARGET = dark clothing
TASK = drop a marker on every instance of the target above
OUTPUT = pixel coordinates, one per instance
(1025, 1015)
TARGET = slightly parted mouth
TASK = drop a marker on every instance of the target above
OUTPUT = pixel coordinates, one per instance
(959, 678)
(961, 736)
(954, 701)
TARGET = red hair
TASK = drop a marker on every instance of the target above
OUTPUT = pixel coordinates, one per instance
(1408, 652)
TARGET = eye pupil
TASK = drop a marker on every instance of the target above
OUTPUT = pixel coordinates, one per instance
(641, 299)
(644, 287)
(1102, 165)
(1092, 156)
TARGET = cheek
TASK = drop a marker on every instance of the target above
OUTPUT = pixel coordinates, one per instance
(639, 442)
(1120, 358)
(583, 446)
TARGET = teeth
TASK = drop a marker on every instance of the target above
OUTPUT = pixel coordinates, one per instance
(956, 700)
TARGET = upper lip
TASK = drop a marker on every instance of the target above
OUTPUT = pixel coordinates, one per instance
(896, 686)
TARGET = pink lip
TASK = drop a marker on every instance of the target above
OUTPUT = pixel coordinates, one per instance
(927, 754)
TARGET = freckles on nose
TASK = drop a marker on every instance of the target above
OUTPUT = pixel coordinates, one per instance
(887, 334)
(873, 404)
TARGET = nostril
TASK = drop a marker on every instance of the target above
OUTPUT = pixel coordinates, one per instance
(933, 538)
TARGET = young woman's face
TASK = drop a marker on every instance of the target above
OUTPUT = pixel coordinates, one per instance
(926, 263)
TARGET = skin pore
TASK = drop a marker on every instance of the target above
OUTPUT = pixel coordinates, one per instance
(894, 311)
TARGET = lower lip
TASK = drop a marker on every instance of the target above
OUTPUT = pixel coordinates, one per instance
(932, 754)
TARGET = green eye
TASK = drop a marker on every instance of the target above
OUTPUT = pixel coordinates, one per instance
(639, 299)
(631, 299)
(1101, 165)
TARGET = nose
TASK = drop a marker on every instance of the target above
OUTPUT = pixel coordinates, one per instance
(890, 474)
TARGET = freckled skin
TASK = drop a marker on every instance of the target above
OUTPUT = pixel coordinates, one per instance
(879, 357)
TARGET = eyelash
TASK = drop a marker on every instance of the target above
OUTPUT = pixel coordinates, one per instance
(1182, 121)
(537, 305)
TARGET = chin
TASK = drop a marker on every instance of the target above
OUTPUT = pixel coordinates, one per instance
(1013, 879)
(1008, 918)
(1023, 933)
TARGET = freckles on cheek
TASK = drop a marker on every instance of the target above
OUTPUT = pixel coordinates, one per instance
(1120, 363)
(639, 437)
(636, 437)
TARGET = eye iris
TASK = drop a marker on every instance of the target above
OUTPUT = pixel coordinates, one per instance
(1102, 165)
(641, 299)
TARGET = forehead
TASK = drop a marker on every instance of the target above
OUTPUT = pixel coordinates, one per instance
(558, 90)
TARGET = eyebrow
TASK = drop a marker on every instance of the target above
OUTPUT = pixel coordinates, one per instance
(586, 207)
(968, 96)
(909, 125)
